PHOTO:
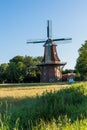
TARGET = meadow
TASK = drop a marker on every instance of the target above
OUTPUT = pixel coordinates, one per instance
(43, 106)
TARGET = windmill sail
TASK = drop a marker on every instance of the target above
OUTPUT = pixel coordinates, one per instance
(35, 42)
(49, 29)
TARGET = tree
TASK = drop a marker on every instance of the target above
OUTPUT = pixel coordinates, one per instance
(3, 68)
(81, 64)
(17, 59)
(21, 69)
(32, 71)
(12, 73)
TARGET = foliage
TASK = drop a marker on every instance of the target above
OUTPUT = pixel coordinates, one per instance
(81, 65)
(20, 69)
(3, 68)
(17, 59)
(12, 73)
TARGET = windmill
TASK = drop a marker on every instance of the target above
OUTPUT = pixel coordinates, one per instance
(51, 64)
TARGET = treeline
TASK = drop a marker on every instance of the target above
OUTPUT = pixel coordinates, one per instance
(20, 69)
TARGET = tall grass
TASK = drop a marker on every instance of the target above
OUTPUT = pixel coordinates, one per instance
(55, 110)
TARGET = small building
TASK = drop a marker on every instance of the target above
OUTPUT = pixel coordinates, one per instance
(69, 77)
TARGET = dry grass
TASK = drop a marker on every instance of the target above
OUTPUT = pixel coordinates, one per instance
(27, 91)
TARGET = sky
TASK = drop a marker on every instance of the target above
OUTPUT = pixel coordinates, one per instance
(22, 20)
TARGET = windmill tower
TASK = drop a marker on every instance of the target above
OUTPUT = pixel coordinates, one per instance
(51, 64)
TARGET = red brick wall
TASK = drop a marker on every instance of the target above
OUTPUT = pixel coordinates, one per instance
(50, 73)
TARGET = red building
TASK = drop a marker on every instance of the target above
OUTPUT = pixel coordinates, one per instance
(68, 77)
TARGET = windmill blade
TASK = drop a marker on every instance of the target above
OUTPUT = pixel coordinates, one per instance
(35, 42)
(49, 29)
(63, 39)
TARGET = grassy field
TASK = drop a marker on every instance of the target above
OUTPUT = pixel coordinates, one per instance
(27, 90)
(43, 106)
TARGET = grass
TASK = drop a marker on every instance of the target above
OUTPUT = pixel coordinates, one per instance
(26, 90)
(45, 107)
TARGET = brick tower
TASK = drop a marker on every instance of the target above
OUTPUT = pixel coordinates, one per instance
(51, 65)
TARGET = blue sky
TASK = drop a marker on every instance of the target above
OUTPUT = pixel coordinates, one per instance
(21, 20)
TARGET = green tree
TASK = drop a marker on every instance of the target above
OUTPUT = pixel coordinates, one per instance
(28, 61)
(21, 69)
(16, 72)
(17, 59)
(3, 68)
(12, 73)
(81, 64)
(32, 71)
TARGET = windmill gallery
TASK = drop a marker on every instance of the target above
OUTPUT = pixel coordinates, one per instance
(51, 65)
